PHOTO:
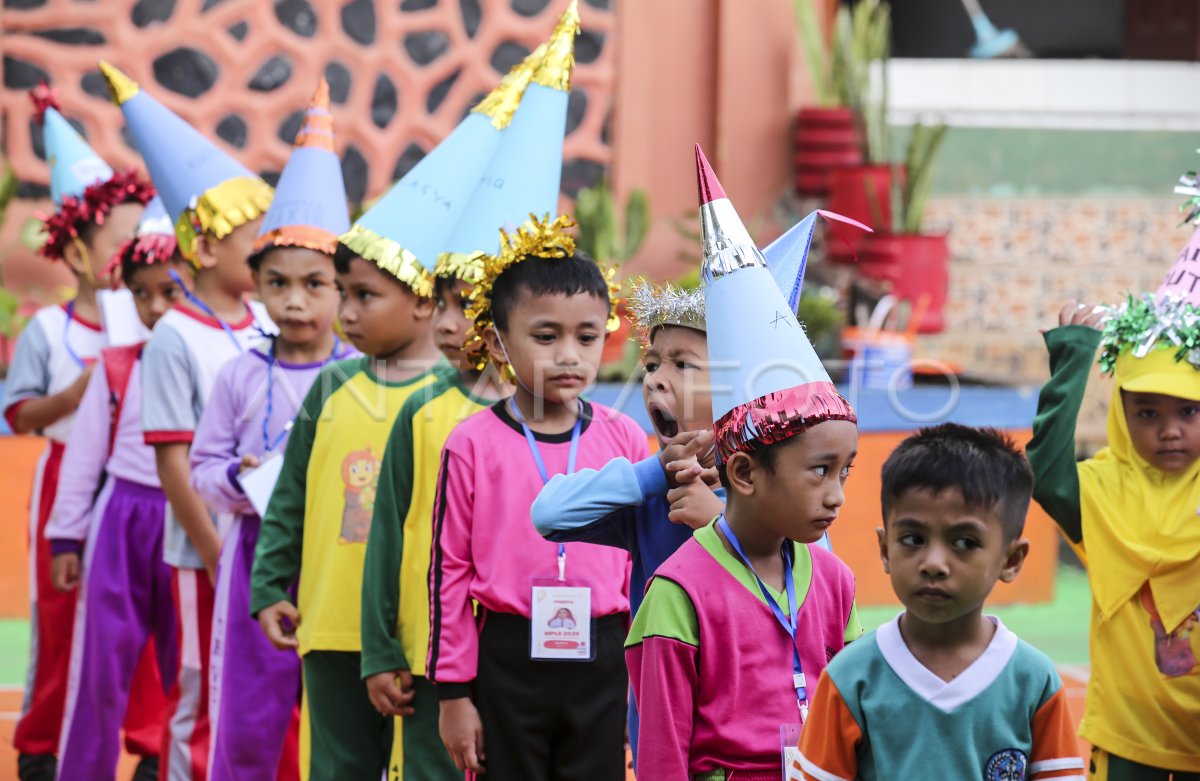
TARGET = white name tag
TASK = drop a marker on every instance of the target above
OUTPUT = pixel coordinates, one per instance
(789, 746)
(119, 318)
(561, 620)
(259, 483)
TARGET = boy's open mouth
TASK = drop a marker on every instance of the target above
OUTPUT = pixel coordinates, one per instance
(664, 422)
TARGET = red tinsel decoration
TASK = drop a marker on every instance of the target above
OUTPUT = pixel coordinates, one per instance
(43, 96)
(98, 199)
(145, 249)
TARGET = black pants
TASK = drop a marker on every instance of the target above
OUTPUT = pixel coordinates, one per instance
(551, 720)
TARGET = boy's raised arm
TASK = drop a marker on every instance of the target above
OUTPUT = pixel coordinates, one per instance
(1051, 452)
(596, 505)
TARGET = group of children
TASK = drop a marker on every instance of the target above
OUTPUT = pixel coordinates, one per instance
(265, 546)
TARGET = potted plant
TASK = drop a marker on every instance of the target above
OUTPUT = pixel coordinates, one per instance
(612, 242)
(913, 262)
(862, 38)
(826, 135)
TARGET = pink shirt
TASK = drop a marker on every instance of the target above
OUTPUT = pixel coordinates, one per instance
(87, 458)
(485, 547)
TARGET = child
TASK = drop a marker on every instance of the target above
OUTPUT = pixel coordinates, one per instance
(216, 205)
(943, 691)
(741, 613)
(1130, 514)
(254, 689)
(110, 510)
(523, 176)
(96, 210)
(395, 612)
(542, 309)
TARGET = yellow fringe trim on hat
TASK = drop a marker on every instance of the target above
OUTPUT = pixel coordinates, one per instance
(466, 266)
(221, 209)
(389, 256)
(554, 71)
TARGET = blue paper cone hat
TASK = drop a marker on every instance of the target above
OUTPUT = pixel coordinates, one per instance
(309, 209)
(526, 171)
(406, 231)
(204, 189)
(768, 383)
(74, 166)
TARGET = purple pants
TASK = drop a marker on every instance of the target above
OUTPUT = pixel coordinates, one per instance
(124, 596)
(254, 688)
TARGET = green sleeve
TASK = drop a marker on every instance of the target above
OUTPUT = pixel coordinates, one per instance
(1052, 450)
(667, 611)
(281, 536)
(381, 650)
(854, 627)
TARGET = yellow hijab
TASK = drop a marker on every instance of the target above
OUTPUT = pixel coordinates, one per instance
(1141, 524)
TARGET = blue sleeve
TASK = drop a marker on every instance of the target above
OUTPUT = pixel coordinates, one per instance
(598, 505)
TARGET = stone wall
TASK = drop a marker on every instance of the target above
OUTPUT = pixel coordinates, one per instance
(1015, 262)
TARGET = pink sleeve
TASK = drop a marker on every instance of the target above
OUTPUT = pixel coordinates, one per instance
(83, 461)
(214, 453)
(453, 639)
(663, 673)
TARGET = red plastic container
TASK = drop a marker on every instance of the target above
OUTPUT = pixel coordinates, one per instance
(825, 139)
(851, 193)
(915, 265)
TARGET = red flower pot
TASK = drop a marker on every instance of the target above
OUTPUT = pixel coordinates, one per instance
(916, 266)
(825, 139)
(863, 193)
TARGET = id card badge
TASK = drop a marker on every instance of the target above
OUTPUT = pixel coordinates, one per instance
(789, 749)
(561, 622)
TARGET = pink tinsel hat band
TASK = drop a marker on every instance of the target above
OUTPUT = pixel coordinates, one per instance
(777, 416)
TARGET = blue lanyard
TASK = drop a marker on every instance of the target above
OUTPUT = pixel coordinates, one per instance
(536, 452)
(66, 337)
(790, 621)
(268, 443)
(206, 309)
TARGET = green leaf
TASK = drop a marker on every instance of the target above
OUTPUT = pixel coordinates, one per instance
(637, 223)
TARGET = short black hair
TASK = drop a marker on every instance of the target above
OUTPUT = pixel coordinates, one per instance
(982, 464)
(442, 285)
(546, 276)
(766, 455)
(342, 257)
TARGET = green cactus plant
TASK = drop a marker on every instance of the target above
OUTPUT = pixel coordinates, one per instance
(601, 235)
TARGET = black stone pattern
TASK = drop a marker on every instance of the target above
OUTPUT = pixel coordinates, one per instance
(232, 130)
(411, 155)
(426, 46)
(298, 16)
(358, 20)
(187, 71)
(383, 101)
(354, 173)
(19, 74)
(472, 16)
(439, 91)
(339, 78)
(272, 74)
(72, 36)
(147, 12)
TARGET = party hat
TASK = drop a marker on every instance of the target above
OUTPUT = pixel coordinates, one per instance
(153, 242)
(768, 383)
(203, 188)
(309, 209)
(74, 166)
(410, 226)
(524, 175)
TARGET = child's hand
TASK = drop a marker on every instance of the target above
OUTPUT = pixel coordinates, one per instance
(694, 504)
(684, 450)
(1075, 313)
(462, 732)
(64, 571)
(249, 461)
(279, 622)
(392, 693)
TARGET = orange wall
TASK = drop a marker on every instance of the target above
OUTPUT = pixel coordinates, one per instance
(18, 457)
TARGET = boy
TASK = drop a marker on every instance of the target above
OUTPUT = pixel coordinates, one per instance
(1129, 513)
(542, 310)
(96, 210)
(395, 625)
(736, 619)
(523, 176)
(216, 205)
(109, 513)
(944, 691)
(254, 688)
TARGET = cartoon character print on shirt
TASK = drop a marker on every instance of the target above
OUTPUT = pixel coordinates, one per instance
(360, 475)
(1007, 765)
(1175, 653)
